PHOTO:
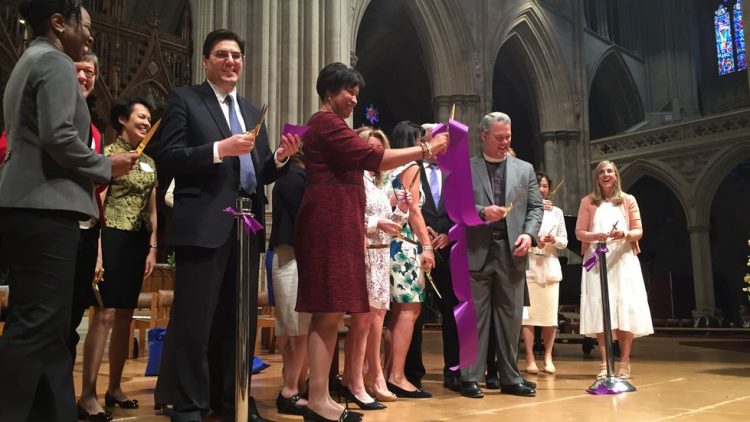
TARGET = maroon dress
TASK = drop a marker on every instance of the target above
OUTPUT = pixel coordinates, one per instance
(330, 226)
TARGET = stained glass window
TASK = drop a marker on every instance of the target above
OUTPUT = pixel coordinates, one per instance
(724, 49)
(730, 38)
(739, 36)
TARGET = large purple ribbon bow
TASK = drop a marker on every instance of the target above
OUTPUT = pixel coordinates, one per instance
(249, 222)
(458, 199)
(600, 249)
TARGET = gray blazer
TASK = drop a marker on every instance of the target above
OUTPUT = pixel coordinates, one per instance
(48, 165)
(524, 218)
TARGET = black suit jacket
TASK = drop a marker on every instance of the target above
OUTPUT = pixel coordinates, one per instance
(287, 196)
(193, 121)
(434, 215)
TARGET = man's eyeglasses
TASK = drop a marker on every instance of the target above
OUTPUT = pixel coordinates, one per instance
(223, 55)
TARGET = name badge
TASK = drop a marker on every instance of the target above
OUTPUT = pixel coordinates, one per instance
(146, 167)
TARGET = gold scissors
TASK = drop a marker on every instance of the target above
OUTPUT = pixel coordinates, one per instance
(95, 287)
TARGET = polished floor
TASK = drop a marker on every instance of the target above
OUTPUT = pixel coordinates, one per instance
(677, 378)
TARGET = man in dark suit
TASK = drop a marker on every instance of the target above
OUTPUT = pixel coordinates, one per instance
(438, 224)
(206, 146)
(507, 197)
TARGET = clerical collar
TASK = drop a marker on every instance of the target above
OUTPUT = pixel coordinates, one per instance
(492, 160)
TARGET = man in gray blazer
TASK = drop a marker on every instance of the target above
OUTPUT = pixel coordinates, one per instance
(46, 186)
(507, 197)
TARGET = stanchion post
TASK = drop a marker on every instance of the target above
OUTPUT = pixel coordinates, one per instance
(242, 346)
(609, 384)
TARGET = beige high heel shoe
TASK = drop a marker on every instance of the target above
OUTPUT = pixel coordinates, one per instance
(602, 371)
(381, 396)
(623, 370)
(549, 367)
(532, 368)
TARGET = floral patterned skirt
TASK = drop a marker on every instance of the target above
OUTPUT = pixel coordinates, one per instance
(407, 282)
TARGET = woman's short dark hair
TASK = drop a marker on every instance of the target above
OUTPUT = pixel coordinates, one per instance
(221, 35)
(335, 76)
(405, 134)
(124, 108)
(37, 12)
(542, 175)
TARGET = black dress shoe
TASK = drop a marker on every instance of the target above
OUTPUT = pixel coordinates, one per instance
(452, 383)
(289, 405)
(110, 401)
(518, 390)
(404, 394)
(471, 390)
(346, 416)
(530, 384)
(492, 382)
(83, 415)
(254, 414)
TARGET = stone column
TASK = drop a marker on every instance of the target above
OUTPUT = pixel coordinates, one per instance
(703, 279)
(467, 112)
(202, 12)
(563, 158)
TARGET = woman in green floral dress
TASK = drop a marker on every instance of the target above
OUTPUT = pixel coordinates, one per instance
(407, 265)
(127, 255)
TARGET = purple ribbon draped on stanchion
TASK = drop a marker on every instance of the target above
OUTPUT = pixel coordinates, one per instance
(249, 223)
(458, 199)
(591, 262)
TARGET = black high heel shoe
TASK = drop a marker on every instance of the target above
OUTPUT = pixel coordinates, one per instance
(346, 416)
(110, 401)
(401, 393)
(83, 415)
(373, 405)
(290, 405)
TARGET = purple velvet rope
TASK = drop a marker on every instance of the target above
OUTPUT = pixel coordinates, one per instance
(249, 223)
(458, 199)
(600, 249)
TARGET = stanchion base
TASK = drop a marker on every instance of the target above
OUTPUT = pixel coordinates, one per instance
(610, 385)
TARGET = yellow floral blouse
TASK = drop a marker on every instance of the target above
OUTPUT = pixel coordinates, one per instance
(126, 204)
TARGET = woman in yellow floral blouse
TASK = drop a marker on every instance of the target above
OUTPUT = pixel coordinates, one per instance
(128, 252)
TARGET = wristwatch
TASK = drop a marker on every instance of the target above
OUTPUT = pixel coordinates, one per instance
(481, 215)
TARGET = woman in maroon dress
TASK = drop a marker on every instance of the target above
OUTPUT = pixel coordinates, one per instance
(330, 229)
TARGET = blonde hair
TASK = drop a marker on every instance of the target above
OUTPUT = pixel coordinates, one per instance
(365, 132)
(616, 196)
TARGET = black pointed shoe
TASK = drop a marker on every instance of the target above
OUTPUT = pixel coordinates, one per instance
(404, 394)
(110, 401)
(373, 405)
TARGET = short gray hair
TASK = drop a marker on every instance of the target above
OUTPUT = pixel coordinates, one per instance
(90, 57)
(492, 118)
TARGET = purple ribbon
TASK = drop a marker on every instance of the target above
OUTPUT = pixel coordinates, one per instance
(600, 249)
(250, 224)
(289, 129)
(458, 199)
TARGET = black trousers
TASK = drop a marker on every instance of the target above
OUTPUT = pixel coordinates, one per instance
(83, 296)
(414, 367)
(39, 248)
(199, 355)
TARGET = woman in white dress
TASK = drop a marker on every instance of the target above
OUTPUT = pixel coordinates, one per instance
(363, 341)
(610, 215)
(543, 278)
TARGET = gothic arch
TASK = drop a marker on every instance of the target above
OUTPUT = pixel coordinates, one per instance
(527, 27)
(722, 162)
(632, 172)
(614, 101)
(444, 44)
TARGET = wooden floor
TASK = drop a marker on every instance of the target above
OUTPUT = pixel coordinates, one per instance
(681, 379)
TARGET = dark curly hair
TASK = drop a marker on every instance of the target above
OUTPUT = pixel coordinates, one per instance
(37, 12)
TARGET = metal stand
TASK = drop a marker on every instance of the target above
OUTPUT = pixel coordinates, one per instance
(242, 346)
(610, 384)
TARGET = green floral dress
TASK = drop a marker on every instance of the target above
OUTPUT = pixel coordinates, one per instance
(407, 281)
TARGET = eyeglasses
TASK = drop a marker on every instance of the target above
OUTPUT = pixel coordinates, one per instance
(89, 73)
(223, 55)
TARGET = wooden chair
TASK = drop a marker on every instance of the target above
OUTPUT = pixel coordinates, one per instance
(267, 320)
(160, 305)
